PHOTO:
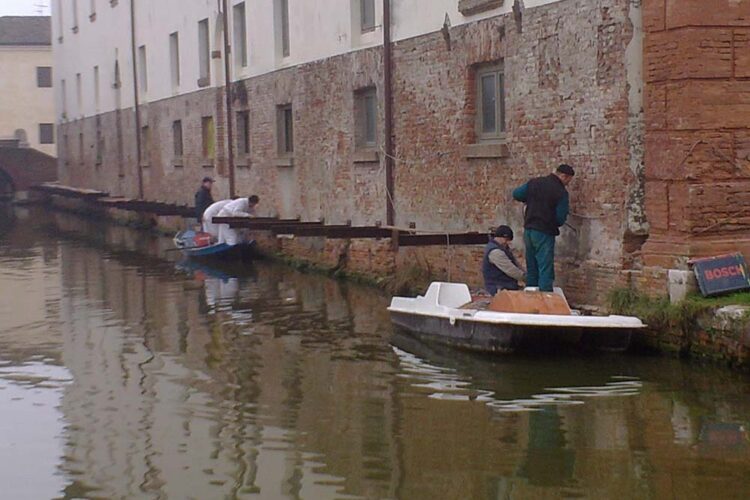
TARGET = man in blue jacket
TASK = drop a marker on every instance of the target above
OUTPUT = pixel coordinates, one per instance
(203, 198)
(500, 268)
(547, 207)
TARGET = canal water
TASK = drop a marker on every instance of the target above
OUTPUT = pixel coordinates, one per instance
(125, 373)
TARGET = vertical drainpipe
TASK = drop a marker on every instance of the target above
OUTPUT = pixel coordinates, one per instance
(135, 96)
(388, 111)
(228, 94)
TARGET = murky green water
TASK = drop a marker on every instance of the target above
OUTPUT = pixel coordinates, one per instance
(125, 375)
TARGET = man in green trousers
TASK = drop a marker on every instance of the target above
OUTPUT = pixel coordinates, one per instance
(547, 207)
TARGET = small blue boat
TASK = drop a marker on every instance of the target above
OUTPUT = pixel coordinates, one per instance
(197, 245)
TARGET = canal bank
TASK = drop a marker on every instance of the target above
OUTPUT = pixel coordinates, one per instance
(715, 330)
(124, 375)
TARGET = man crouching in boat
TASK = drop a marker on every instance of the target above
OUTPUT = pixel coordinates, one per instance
(241, 207)
(208, 216)
(500, 268)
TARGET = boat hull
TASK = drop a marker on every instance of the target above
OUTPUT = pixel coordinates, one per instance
(508, 338)
(221, 251)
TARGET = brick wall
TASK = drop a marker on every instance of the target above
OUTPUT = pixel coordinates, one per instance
(697, 103)
(569, 98)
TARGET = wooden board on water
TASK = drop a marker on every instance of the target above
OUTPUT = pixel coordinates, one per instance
(529, 303)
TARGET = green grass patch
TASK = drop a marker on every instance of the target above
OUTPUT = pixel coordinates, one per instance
(657, 312)
(739, 298)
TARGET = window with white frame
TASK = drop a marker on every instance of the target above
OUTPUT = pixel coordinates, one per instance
(367, 15)
(75, 16)
(142, 69)
(204, 54)
(64, 98)
(174, 59)
(97, 93)
(490, 103)
(282, 26)
(240, 35)
(79, 95)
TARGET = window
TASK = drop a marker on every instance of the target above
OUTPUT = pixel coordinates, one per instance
(204, 55)
(282, 26)
(243, 132)
(208, 134)
(116, 81)
(75, 16)
(46, 133)
(177, 138)
(142, 69)
(367, 15)
(60, 23)
(97, 94)
(44, 77)
(240, 35)
(65, 149)
(79, 95)
(99, 142)
(145, 144)
(174, 58)
(490, 103)
(366, 117)
(63, 99)
(285, 129)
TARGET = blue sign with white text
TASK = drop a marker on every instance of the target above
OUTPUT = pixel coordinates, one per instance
(722, 274)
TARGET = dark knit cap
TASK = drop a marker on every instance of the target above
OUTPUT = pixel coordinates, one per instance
(504, 232)
(566, 169)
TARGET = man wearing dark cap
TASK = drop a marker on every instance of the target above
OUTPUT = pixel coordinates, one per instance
(499, 266)
(203, 198)
(547, 207)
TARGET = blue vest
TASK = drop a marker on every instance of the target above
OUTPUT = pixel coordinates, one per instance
(494, 278)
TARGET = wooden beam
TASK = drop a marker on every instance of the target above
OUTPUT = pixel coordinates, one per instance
(418, 240)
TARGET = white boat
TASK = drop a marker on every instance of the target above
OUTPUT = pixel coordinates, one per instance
(445, 314)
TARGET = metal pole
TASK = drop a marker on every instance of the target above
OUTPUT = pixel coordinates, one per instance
(228, 94)
(135, 96)
(388, 112)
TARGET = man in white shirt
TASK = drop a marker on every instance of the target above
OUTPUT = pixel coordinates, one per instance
(208, 215)
(241, 207)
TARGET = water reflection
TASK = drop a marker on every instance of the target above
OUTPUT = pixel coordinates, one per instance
(128, 373)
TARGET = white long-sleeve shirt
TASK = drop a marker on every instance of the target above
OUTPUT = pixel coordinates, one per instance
(214, 209)
(237, 208)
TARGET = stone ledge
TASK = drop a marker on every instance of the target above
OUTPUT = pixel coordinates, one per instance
(366, 156)
(287, 161)
(486, 150)
(471, 7)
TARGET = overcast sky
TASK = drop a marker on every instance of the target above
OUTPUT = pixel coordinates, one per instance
(24, 7)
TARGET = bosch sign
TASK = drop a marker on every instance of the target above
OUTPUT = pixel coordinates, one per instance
(726, 273)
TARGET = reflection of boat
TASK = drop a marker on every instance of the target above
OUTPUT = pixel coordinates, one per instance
(198, 245)
(446, 314)
(514, 383)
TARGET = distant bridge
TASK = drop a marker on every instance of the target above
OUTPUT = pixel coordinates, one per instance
(21, 168)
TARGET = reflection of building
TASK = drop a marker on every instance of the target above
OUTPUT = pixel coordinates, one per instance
(311, 402)
(27, 106)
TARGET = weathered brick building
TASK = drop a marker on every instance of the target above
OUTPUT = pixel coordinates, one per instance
(484, 94)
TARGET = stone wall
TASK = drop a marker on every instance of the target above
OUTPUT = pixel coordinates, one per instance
(572, 95)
